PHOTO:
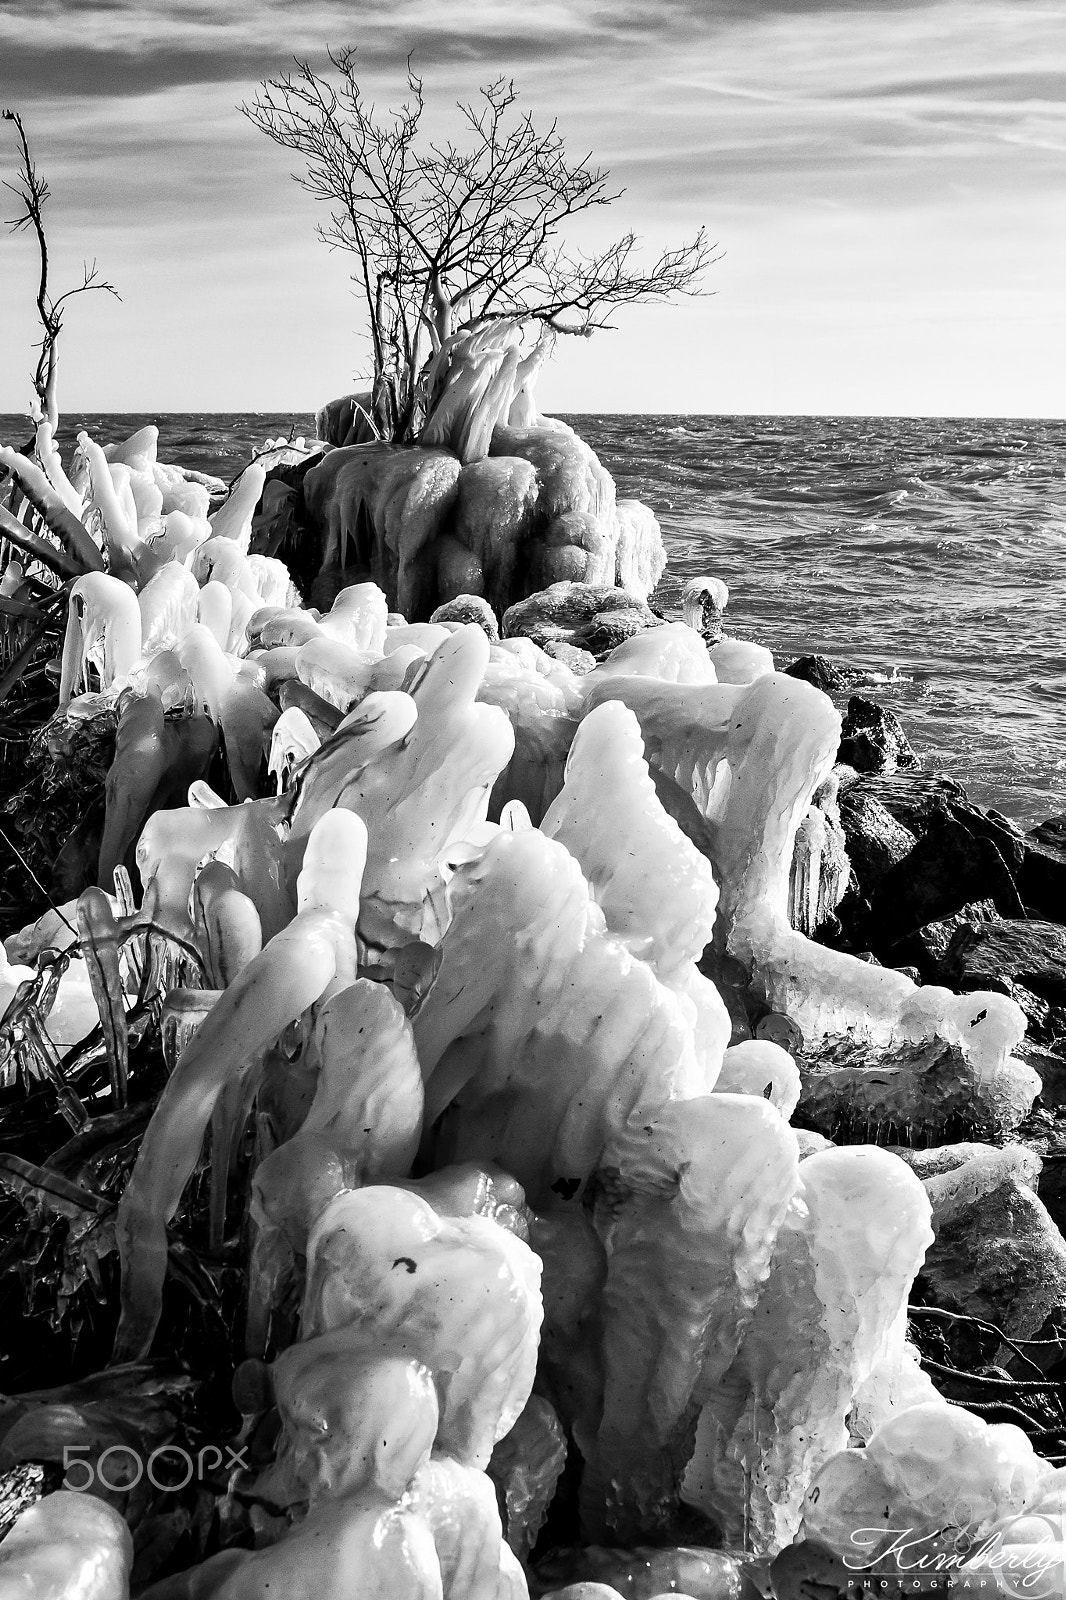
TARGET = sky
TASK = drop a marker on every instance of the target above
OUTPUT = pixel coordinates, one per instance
(885, 180)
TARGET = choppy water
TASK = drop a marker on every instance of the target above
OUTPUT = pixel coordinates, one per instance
(933, 550)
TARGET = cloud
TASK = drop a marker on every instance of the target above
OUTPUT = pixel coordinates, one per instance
(752, 116)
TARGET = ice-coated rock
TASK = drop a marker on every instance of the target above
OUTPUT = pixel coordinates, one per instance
(469, 1307)
(495, 514)
(832, 1311)
(594, 617)
(67, 1546)
(997, 1253)
(640, 558)
(934, 1470)
(420, 769)
(525, 1467)
(642, 1574)
(748, 760)
(378, 506)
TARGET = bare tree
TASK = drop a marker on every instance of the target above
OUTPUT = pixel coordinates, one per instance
(446, 237)
(32, 192)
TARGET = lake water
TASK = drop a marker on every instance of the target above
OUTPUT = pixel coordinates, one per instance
(932, 550)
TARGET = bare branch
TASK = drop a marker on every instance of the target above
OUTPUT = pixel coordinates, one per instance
(449, 234)
(32, 192)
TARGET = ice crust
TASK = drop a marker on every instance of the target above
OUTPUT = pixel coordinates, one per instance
(480, 913)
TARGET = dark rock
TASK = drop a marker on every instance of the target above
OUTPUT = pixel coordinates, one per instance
(832, 677)
(872, 739)
(874, 840)
(1042, 875)
(913, 798)
(926, 948)
(1051, 1067)
(277, 517)
(1025, 959)
(949, 867)
(1051, 834)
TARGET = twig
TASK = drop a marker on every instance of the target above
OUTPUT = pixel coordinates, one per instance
(986, 1327)
(1021, 1386)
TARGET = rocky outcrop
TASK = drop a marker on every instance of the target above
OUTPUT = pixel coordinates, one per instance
(872, 739)
(428, 527)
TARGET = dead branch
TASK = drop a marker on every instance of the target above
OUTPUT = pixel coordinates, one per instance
(32, 192)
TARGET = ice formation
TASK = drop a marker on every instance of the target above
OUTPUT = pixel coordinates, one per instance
(494, 912)
(492, 501)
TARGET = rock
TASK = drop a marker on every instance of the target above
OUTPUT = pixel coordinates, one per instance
(950, 867)
(592, 617)
(832, 677)
(996, 1254)
(1042, 875)
(872, 739)
(1025, 959)
(1051, 834)
(1018, 1158)
(927, 947)
(908, 1094)
(911, 797)
(469, 608)
(873, 838)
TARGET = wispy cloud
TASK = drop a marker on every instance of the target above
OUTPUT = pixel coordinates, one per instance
(744, 114)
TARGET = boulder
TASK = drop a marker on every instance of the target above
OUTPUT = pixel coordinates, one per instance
(379, 506)
(1042, 874)
(873, 838)
(996, 1253)
(952, 865)
(926, 948)
(832, 677)
(872, 739)
(1051, 834)
(1025, 959)
(912, 797)
(578, 660)
(495, 517)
